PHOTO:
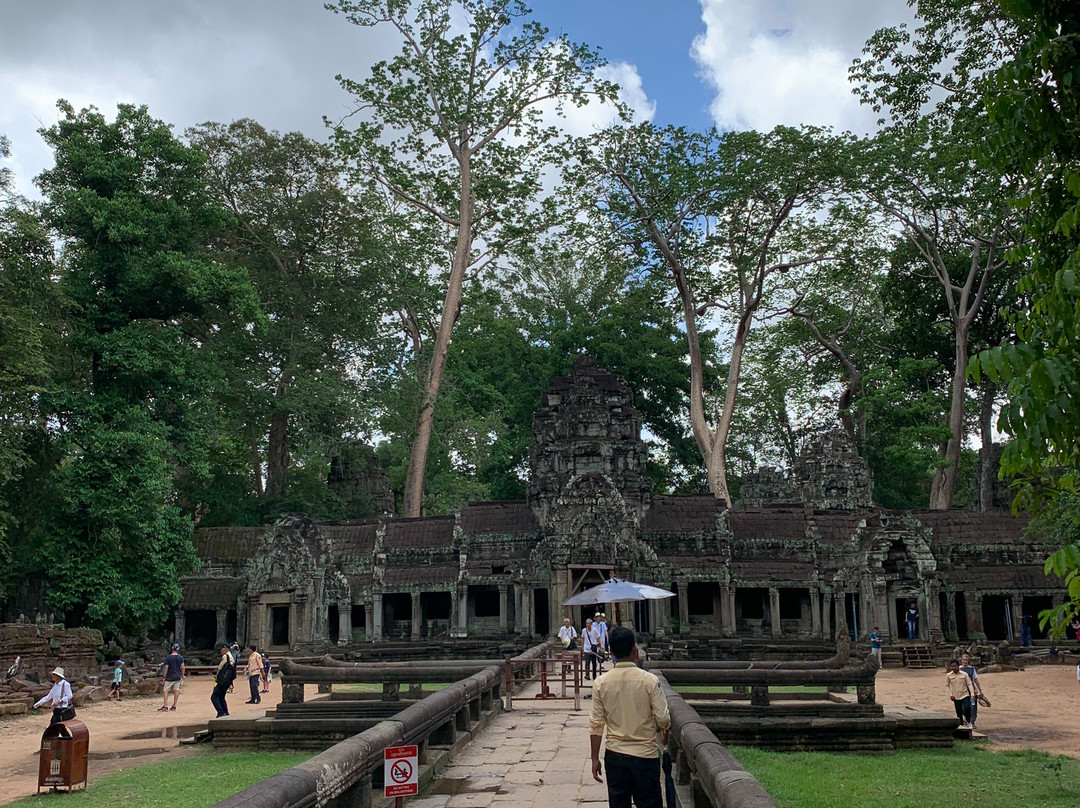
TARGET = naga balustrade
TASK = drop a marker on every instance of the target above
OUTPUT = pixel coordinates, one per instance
(759, 680)
(707, 775)
(343, 776)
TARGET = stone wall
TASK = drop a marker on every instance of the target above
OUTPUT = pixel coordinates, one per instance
(42, 647)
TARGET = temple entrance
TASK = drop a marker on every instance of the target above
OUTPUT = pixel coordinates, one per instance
(1033, 604)
(201, 629)
(584, 578)
(333, 624)
(997, 617)
(279, 625)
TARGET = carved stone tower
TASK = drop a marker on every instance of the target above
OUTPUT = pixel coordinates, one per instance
(588, 487)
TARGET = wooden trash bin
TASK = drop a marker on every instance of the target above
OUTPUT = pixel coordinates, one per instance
(65, 748)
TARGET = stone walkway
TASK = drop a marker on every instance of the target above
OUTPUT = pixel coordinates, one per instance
(536, 755)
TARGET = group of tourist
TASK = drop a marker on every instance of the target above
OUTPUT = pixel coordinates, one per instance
(595, 644)
(258, 675)
(962, 685)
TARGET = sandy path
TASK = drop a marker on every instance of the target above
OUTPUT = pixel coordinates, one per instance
(111, 724)
(1032, 709)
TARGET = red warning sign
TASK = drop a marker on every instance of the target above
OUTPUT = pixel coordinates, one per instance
(400, 771)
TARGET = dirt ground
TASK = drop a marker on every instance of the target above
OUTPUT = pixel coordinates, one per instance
(1032, 709)
(122, 734)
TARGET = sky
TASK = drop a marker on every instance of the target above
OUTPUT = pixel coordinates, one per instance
(693, 63)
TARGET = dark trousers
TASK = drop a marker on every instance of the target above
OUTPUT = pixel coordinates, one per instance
(253, 682)
(590, 664)
(1025, 636)
(632, 777)
(963, 708)
(217, 698)
(62, 714)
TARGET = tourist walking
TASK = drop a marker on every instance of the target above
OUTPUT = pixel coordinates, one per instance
(267, 676)
(969, 669)
(600, 621)
(59, 698)
(875, 644)
(223, 679)
(255, 673)
(1025, 631)
(117, 681)
(590, 645)
(958, 685)
(628, 711)
(174, 679)
(568, 635)
(912, 620)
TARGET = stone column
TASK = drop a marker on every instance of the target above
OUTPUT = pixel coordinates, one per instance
(839, 613)
(815, 611)
(369, 622)
(973, 603)
(344, 621)
(415, 622)
(950, 628)
(502, 609)
(934, 610)
(462, 622)
(826, 616)
(774, 612)
(376, 617)
(684, 608)
(727, 612)
(179, 626)
(527, 625)
(222, 623)
(516, 625)
(924, 617)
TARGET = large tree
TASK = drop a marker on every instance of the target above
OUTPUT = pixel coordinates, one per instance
(308, 243)
(30, 347)
(923, 172)
(455, 126)
(726, 219)
(129, 203)
(1034, 107)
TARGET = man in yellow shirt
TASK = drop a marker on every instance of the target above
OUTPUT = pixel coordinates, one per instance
(961, 692)
(630, 705)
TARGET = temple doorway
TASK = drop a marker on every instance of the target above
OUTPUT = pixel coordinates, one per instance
(279, 625)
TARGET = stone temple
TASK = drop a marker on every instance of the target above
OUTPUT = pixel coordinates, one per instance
(800, 556)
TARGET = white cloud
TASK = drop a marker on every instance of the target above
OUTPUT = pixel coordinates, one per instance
(594, 116)
(775, 62)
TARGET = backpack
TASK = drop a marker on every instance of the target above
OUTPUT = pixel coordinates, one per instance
(228, 673)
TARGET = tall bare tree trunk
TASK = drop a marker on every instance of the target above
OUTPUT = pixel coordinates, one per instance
(277, 455)
(413, 498)
(944, 486)
(715, 461)
(987, 463)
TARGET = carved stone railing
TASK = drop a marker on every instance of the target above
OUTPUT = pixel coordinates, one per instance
(707, 775)
(759, 680)
(344, 775)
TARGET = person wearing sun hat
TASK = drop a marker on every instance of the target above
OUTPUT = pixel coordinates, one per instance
(59, 698)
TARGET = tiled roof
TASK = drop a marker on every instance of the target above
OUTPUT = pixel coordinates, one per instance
(768, 523)
(227, 543)
(351, 540)
(772, 570)
(694, 513)
(419, 576)
(435, 531)
(211, 593)
(507, 518)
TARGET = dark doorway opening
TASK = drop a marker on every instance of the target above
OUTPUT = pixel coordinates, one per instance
(200, 629)
(750, 603)
(540, 611)
(279, 625)
(332, 625)
(960, 607)
(435, 613)
(230, 626)
(1032, 606)
(995, 615)
(852, 616)
(792, 602)
(946, 614)
(485, 600)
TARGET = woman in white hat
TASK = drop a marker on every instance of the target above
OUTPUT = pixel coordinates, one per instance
(59, 698)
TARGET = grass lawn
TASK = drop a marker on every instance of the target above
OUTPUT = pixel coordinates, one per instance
(193, 782)
(914, 778)
(375, 687)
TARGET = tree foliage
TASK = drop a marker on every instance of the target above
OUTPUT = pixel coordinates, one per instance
(130, 203)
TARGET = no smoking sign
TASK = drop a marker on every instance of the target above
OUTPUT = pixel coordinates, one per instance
(400, 771)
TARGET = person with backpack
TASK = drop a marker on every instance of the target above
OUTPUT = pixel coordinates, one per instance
(223, 679)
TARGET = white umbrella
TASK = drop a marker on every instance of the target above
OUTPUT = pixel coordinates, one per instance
(617, 591)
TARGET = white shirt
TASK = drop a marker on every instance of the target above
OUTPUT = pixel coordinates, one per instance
(601, 627)
(591, 638)
(59, 696)
(567, 633)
